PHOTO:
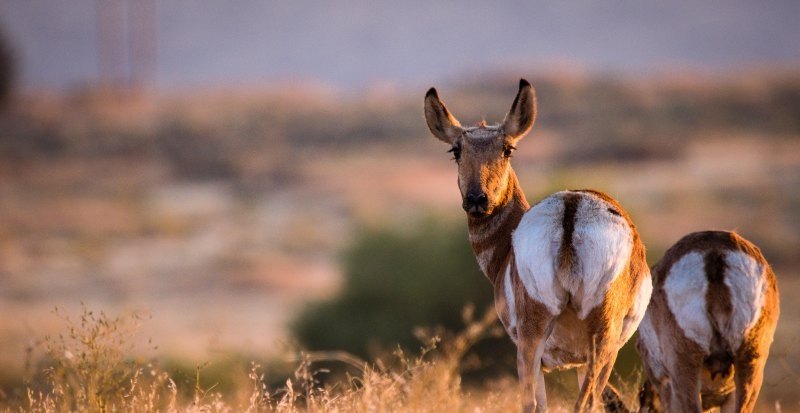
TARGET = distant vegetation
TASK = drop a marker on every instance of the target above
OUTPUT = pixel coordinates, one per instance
(618, 119)
(396, 281)
(208, 138)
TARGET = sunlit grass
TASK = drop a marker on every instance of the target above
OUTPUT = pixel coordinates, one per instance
(90, 367)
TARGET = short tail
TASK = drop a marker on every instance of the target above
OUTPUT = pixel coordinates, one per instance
(566, 252)
(720, 361)
(719, 309)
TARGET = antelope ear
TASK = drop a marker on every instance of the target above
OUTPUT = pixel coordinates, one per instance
(520, 118)
(442, 124)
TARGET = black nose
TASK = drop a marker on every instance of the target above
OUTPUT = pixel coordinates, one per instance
(476, 198)
(475, 202)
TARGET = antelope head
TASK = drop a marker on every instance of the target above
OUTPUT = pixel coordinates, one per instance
(483, 152)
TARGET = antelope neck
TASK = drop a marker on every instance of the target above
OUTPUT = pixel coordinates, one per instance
(491, 236)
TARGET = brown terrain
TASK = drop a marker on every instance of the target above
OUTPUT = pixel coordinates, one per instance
(222, 214)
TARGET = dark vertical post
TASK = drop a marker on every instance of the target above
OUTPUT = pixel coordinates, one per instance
(142, 40)
(111, 59)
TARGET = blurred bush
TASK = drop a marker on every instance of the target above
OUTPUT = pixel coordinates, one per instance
(395, 281)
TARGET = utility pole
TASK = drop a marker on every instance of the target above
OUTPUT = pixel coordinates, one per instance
(126, 42)
(142, 42)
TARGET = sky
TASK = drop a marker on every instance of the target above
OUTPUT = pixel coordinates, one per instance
(352, 43)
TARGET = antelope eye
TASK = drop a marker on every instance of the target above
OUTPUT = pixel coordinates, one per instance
(456, 150)
(508, 150)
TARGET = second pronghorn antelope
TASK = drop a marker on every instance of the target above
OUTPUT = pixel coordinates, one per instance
(707, 332)
(570, 278)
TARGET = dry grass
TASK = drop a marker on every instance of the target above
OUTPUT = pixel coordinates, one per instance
(90, 368)
(93, 367)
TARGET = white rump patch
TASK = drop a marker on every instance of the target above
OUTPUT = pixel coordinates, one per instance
(536, 244)
(603, 243)
(745, 280)
(685, 287)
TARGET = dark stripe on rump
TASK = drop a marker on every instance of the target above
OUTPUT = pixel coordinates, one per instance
(701, 242)
(719, 309)
(566, 253)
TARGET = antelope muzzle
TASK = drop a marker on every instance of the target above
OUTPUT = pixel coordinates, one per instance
(476, 204)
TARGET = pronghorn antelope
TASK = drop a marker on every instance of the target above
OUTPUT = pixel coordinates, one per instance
(570, 278)
(706, 334)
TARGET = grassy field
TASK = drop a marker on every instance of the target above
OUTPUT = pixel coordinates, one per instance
(223, 214)
(91, 368)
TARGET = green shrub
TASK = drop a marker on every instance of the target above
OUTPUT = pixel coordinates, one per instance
(395, 281)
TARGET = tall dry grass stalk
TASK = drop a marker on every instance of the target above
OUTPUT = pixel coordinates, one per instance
(91, 368)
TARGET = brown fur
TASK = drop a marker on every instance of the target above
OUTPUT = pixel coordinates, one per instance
(532, 314)
(637, 264)
(497, 235)
(566, 252)
(500, 299)
(687, 370)
(441, 123)
(751, 357)
(534, 323)
(484, 168)
(607, 320)
(718, 306)
(523, 111)
(702, 242)
(700, 380)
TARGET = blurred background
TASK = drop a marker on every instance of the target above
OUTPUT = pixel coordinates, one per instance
(257, 176)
